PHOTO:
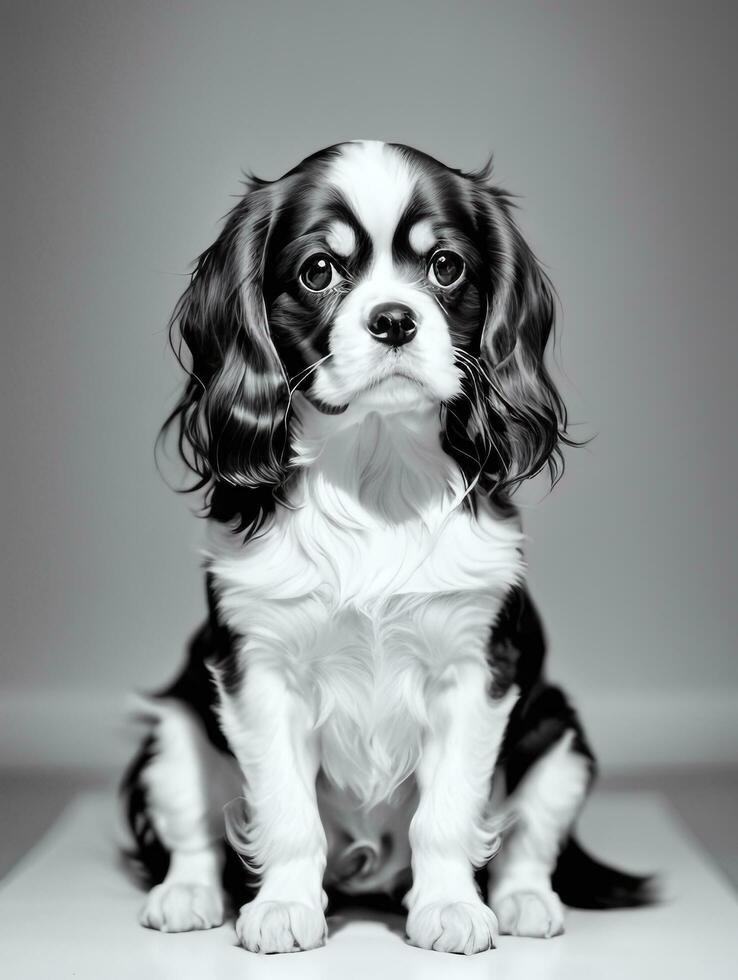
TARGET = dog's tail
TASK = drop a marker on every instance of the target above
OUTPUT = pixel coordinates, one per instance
(583, 882)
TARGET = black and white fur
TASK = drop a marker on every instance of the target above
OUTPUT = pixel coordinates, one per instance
(372, 662)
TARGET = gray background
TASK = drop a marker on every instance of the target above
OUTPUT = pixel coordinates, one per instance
(128, 125)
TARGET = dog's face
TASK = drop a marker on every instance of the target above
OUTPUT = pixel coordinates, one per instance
(374, 274)
(370, 275)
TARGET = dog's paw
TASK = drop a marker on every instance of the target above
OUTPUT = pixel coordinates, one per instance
(535, 912)
(179, 907)
(459, 927)
(280, 927)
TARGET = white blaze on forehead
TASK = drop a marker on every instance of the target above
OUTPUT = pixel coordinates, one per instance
(341, 239)
(377, 183)
(422, 238)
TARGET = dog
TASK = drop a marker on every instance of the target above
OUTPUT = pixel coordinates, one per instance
(364, 714)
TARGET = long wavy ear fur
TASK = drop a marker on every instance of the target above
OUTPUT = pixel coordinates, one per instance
(231, 417)
(530, 417)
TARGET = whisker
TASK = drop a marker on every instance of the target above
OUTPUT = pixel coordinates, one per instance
(303, 376)
(308, 370)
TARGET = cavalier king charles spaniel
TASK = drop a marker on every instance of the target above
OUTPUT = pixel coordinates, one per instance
(364, 718)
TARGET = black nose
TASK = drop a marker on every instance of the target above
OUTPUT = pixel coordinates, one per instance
(392, 324)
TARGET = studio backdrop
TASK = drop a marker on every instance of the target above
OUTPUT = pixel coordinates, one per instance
(127, 130)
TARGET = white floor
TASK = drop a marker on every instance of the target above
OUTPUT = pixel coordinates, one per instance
(69, 910)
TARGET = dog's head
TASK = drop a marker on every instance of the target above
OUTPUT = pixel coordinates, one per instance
(371, 275)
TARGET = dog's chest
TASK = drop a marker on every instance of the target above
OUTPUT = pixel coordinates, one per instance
(353, 574)
(365, 591)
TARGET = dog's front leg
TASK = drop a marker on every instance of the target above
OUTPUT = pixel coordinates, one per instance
(268, 726)
(451, 832)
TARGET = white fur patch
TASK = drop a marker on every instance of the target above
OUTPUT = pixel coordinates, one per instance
(341, 239)
(422, 237)
(377, 183)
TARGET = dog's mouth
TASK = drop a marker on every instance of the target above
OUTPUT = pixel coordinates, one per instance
(398, 390)
(395, 376)
(394, 369)
(390, 384)
(393, 388)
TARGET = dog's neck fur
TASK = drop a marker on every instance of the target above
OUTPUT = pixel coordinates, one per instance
(387, 467)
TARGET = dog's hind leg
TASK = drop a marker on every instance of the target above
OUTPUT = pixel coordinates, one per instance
(545, 803)
(186, 783)
(548, 767)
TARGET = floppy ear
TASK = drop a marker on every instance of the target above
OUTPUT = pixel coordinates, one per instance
(530, 418)
(231, 417)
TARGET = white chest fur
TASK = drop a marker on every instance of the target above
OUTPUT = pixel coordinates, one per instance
(368, 587)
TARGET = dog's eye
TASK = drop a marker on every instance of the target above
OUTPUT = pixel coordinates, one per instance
(318, 273)
(446, 268)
